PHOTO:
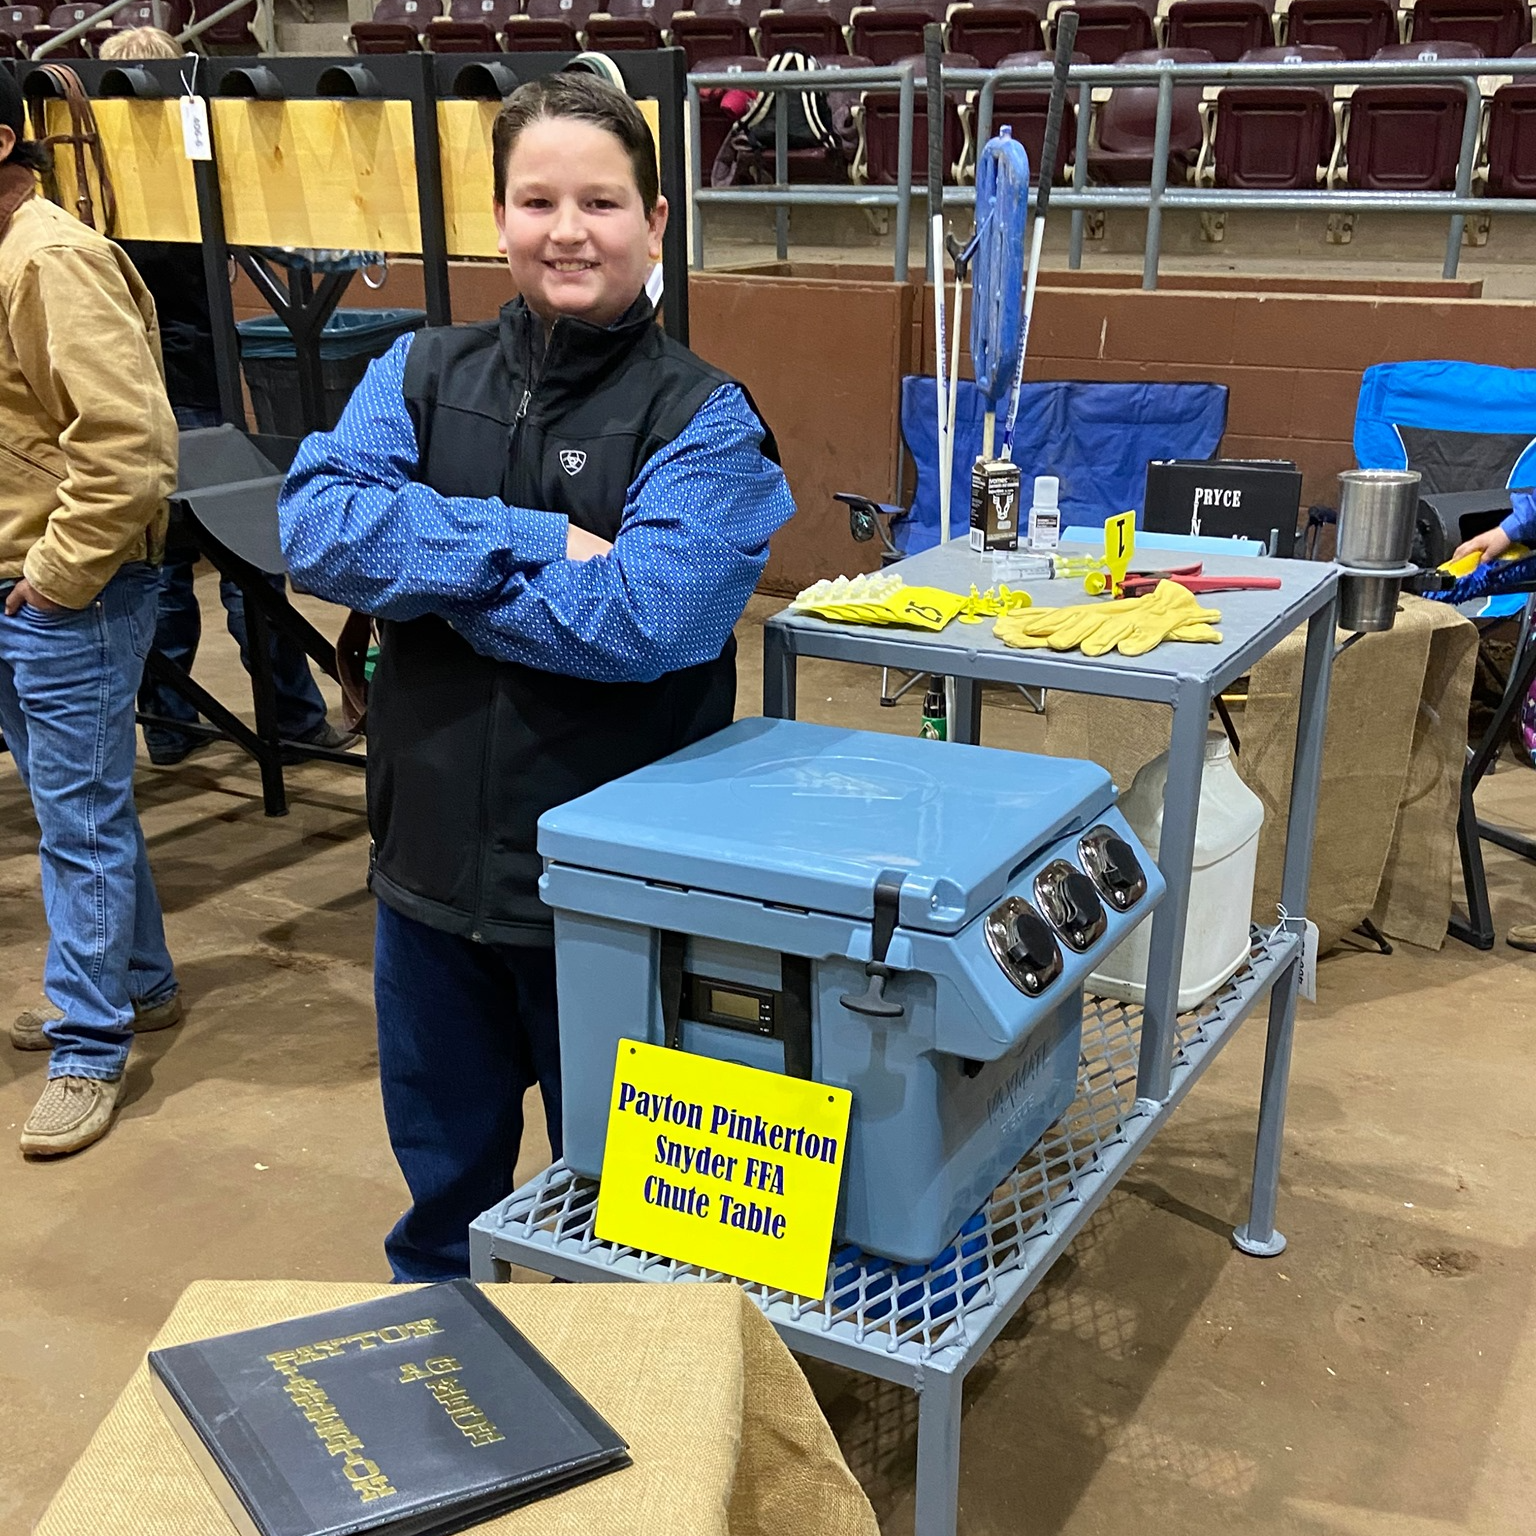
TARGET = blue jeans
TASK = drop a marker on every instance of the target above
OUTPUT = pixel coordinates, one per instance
(67, 685)
(464, 1030)
(179, 628)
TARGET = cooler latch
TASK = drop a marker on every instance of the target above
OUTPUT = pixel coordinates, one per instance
(873, 1002)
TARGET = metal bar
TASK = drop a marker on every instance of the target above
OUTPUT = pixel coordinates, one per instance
(937, 1494)
(1477, 928)
(1464, 166)
(221, 305)
(264, 697)
(429, 195)
(1258, 1236)
(906, 112)
(984, 114)
(695, 173)
(781, 174)
(965, 725)
(778, 675)
(1079, 176)
(1154, 241)
(1176, 859)
(81, 27)
(669, 93)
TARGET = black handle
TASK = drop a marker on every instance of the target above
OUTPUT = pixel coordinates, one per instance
(1066, 35)
(933, 70)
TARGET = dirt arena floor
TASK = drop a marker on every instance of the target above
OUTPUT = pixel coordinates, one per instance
(1377, 1379)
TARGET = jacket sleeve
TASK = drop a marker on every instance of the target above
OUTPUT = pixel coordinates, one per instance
(692, 544)
(359, 529)
(1520, 525)
(83, 347)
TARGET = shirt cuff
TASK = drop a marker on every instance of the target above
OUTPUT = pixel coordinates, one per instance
(56, 581)
(544, 540)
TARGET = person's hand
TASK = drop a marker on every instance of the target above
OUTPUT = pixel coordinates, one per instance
(581, 545)
(1490, 545)
(25, 592)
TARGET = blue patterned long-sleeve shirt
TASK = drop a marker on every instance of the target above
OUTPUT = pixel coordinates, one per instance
(360, 530)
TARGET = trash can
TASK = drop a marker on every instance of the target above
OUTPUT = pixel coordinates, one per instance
(352, 338)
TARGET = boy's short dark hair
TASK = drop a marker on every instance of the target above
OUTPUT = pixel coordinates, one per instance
(589, 100)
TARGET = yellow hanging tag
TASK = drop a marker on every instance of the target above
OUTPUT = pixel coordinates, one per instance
(1119, 547)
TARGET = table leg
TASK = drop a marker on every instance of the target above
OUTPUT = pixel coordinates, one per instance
(1258, 1236)
(966, 726)
(1175, 858)
(778, 677)
(264, 697)
(938, 1454)
(484, 1267)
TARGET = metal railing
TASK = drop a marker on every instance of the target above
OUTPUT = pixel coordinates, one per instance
(265, 25)
(1079, 197)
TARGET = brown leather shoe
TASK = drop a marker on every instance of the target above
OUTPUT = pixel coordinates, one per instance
(72, 1113)
(27, 1028)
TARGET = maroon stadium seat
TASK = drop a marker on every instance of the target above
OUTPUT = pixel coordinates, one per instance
(1403, 137)
(171, 16)
(1024, 109)
(1357, 28)
(547, 26)
(805, 26)
(15, 22)
(1512, 139)
(1274, 137)
(714, 29)
(234, 32)
(882, 126)
(396, 26)
(892, 30)
(714, 121)
(989, 30)
(628, 25)
(471, 26)
(1128, 123)
(60, 18)
(1226, 29)
(1106, 29)
(1496, 28)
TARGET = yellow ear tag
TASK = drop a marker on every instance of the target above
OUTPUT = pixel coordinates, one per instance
(1119, 547)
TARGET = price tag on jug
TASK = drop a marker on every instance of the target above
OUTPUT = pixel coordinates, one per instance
(724, 1166)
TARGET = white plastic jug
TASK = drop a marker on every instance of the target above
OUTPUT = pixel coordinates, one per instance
(1221, 886)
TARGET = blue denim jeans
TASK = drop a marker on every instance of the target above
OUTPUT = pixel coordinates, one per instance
(465, 1030)
(67, 685)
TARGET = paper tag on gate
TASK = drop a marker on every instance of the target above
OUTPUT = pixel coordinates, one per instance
(196, 141)
(724, 1166)
(1306, 975)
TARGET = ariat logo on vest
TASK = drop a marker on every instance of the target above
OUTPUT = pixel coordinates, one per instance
(572, 460)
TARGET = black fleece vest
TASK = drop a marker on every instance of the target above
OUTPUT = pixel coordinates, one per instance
(464, 753)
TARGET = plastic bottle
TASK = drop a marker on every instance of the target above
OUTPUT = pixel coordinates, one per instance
(1221, 885)
(1045, 513)
(935, 712)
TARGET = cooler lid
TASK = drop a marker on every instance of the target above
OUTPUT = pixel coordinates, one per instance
(811, 816)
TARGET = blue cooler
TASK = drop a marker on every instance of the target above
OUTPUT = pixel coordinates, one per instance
(911, 920)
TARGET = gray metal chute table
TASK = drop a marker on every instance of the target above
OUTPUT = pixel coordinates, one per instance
(925, 1328)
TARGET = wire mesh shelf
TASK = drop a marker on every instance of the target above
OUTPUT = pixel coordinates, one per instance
(935, 1315)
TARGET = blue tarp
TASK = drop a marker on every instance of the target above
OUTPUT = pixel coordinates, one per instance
(1096, 438)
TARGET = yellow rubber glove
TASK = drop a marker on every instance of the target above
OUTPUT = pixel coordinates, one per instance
(1170, 610)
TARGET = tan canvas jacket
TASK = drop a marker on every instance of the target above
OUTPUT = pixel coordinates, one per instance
(87, 439)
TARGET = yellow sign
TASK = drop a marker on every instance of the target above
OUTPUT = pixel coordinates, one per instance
(1119, 547)
(723, 1166)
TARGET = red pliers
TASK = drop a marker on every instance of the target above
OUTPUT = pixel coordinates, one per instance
(1140, 583)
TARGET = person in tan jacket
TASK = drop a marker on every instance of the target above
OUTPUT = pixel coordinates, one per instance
(87, 457)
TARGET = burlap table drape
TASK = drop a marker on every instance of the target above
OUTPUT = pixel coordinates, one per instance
(726, 1437)
(1392, 756)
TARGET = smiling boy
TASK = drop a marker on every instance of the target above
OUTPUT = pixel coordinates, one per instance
(559, 516)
